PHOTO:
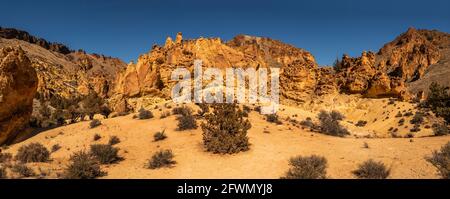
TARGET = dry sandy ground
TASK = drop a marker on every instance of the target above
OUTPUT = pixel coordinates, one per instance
(267, 158)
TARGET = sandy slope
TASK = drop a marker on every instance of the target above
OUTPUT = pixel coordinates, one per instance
(268, 157)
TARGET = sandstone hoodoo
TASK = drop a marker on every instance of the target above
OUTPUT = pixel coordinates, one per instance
(18, 86)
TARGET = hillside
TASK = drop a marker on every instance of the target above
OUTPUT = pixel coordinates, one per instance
(377, 99)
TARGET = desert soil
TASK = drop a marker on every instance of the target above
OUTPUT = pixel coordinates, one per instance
(271, 148)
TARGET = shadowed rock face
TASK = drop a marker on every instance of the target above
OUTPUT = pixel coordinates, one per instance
(18, 86)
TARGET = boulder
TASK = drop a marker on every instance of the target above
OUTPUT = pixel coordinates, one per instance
(18, 86)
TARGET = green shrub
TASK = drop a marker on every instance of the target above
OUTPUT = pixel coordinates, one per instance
(441, 160)
(97, 137)
(204, 108)
(440, 129)
(246, 108)
(329, 123)
(361, 123)
(371, 169)
(182, 110)
(94, 123)
(225, 130)
(113, 140)
(83, 166)
(311, 167)
(163, 158)
(105, 153)
(23, 170)
(407, 114)
(416, 128)
(34, 152)
(144, 114)
(159, 136)
(418, 118)
(438, 100)
(5, 157)
(273, 118)
(308, 123)
(55, 148)
(366, 145)
(186, 121)
(401, 122)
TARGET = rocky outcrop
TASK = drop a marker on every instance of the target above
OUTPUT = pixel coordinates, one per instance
(397, 64)
(18, 86)
(150, 75)
(10, 33)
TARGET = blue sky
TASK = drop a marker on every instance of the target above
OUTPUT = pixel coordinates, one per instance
(127, 28)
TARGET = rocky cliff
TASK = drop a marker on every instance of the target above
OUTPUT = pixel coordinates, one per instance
(18, 86)
(151, 73)
(397, 64)
(11, 33)
(388, 73)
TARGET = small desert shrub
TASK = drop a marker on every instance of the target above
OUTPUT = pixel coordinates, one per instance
(312, 167)
(97, 137)
(410, 135)
(3, 174)
(225, 130)
(83, 166)
(144, 114)
(186, 121)
(371, 169)
(441, 160)
(417, 119)
(439, 100)
(391, 102)
(361, 123)
(204, 108)
(407, 114)
(94, 123)
(159, 136)
(307, 123)
(399, 114)
(34, 152)
(165, 114)
(337, 115)
(246, 108)
(401, 122)
(366, 145)
(5, 157)
(105, 153)
(416, 128)
(23, 170)
(257, 109)
(329, 123)
(440, 129)
(55, 148)
(163, 158)
(113, 140)
(273, 118)
(182, 110)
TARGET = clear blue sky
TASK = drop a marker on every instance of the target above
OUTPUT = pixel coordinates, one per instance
(127, 28)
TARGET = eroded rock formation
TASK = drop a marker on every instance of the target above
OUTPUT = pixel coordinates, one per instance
(18, 86)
